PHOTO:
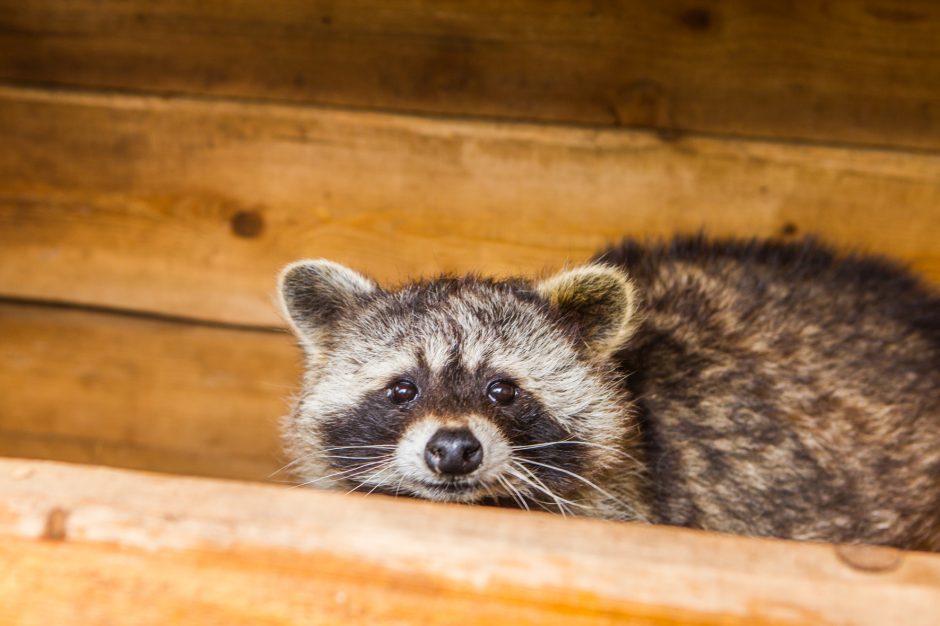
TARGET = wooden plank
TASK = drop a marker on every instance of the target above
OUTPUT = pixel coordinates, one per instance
(158, 395)
(190, 207)
(836, 71)
(97, 546)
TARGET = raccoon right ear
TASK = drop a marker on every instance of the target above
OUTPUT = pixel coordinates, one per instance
(600, 299)
(314, 293)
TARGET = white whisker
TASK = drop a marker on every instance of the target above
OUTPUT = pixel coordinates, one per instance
(379, 446)
(363, 467)
(587, 482)
(578, 443)
(371, 477)
(286, 466)
(513, 493)
(559, 501)
(529, 483)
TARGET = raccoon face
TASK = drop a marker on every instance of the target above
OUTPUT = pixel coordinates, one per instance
(462, 389)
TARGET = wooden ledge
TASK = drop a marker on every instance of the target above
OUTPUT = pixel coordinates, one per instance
(90, 545)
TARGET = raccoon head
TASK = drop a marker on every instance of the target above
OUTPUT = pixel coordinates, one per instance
(465, 389)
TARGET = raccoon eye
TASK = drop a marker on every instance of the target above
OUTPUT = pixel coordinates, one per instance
(501, 392)
(402, 391)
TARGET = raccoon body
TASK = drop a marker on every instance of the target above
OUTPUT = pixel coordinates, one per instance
(749, 387)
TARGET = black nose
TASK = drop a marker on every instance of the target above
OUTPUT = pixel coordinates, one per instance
(453, 451)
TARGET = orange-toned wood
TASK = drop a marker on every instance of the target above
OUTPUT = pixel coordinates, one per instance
(85, 545)
(131, 392)
(190, 207)
(835, 71)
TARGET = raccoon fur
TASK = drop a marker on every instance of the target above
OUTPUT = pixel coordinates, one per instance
(750, 387)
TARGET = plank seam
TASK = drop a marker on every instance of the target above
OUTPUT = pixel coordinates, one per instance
(146, 447)
(665, 134)
(154, 316)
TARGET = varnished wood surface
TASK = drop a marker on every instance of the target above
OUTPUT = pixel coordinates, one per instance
(131, 392)
(86, 546)
(841, 71)
(189, 207)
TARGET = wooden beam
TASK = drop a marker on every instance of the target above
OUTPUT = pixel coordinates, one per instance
(133, 392)
(84, 545)
(190, 207)
(839, 71)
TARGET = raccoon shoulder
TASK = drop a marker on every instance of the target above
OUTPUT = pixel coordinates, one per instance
(786, 389)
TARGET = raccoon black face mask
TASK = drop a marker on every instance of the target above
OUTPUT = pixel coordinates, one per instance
(756, 388)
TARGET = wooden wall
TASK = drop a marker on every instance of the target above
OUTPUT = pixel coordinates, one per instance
(846, 71)
(159, 161)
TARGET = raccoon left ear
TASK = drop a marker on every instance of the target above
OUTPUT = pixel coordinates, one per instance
(315, 293)
(600, 299)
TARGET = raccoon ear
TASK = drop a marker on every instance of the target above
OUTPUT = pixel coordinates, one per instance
(600, 299)
(314, 293)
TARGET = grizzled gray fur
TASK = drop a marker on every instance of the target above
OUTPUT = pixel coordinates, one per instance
(749, 387)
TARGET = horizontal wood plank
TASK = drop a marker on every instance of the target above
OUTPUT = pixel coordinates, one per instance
(843, 71)
(164, 396)
(190, 207)
(95, 546)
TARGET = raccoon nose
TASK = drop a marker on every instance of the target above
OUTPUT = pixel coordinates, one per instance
(453, 451)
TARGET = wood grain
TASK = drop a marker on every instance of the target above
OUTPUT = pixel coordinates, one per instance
(190, 207)
(843, 71)
(97, 546)
(164, 396)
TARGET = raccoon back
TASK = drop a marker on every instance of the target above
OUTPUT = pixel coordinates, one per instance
(785, 390)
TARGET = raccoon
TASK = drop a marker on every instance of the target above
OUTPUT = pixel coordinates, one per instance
(751, 387)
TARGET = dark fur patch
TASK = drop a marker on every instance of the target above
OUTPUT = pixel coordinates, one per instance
(455, 392)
